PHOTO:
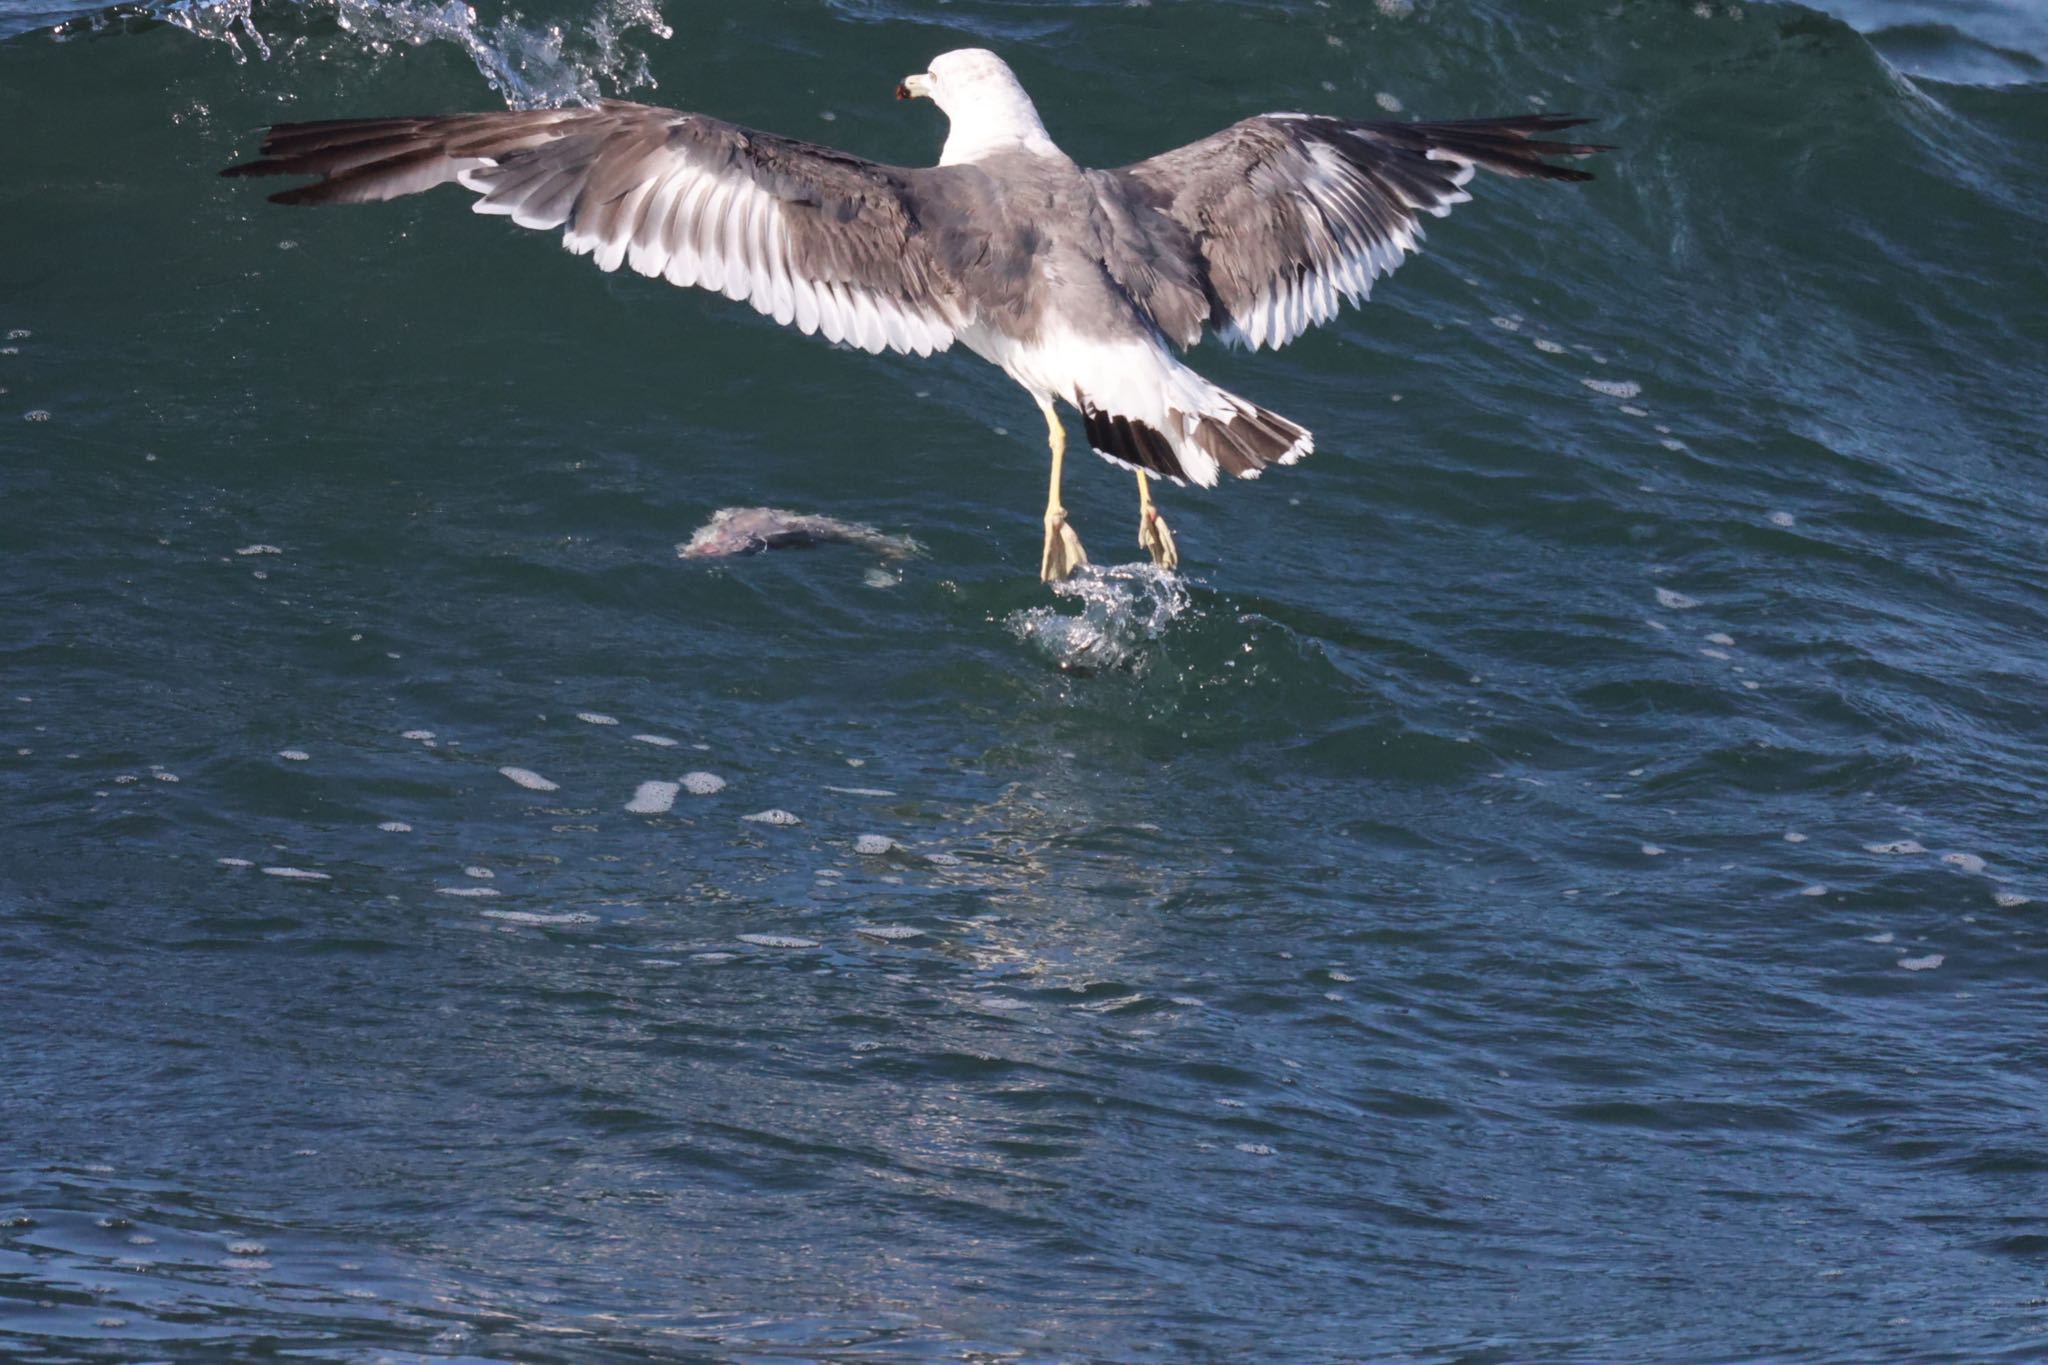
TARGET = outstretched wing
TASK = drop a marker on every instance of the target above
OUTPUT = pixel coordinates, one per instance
(1293, 213)
(805, 234)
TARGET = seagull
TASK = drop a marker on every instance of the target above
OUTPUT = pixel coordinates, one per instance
(1079, 284)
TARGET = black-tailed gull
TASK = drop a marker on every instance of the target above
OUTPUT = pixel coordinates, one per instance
(1078, 283)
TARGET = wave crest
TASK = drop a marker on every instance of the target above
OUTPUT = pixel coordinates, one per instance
(531, 64)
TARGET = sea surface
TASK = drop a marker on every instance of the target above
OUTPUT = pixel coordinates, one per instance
(1561, 874)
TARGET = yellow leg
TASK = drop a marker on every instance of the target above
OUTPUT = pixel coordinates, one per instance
(1063, 553)
(1153, 537)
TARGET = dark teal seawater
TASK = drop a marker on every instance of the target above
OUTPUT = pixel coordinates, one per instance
(1561, 877)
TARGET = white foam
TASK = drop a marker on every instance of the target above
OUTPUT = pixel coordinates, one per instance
(860, 791)
(1781, 519)
(529, 779)
(234, 862)
(259, 550)
(471, 892)
(296, 874)
(1721, 637)
(772, 816)
(1817, 889)
(703, 784)
(1793, 836)
(1652, 851)
(1255, 1149)
(482, 874)
(1923, 964)
(777, 940)
(881, 578)
(1123, 609)
(890, 933)
(536, 917)
(653, 798)
(1631, 410)
(1897, 846)
(943, 859)
(875, 844)
(1886, 937)
(395, 827)
(1968, 862)
(293, 755)
(1614, 388)
(417, 735)
(1548, 347)
(714, 957)
(596, 718)
(658, 741)
(1670, 443)
(1675, 601)
(2004, 900)
(165, 777)
(1508, 324)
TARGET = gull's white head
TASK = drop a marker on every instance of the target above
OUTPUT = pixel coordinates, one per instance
(980, 95)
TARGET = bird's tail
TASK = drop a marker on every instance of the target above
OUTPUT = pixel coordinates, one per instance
(1201, 432)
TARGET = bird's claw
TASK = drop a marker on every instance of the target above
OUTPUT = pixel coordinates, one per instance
(1063, 553)
(1156, 540)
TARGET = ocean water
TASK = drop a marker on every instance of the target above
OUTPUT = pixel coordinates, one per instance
(1559, 875)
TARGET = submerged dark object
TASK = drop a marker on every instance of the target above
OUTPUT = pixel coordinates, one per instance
(751, 530)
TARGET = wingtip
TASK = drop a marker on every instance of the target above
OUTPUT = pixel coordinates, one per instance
(301, 194)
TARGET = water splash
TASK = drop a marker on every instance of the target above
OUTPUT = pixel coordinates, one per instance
(531, 63)
(1124, 608)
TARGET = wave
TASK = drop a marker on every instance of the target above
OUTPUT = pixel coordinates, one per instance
(531, 63)
(1957, 42)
